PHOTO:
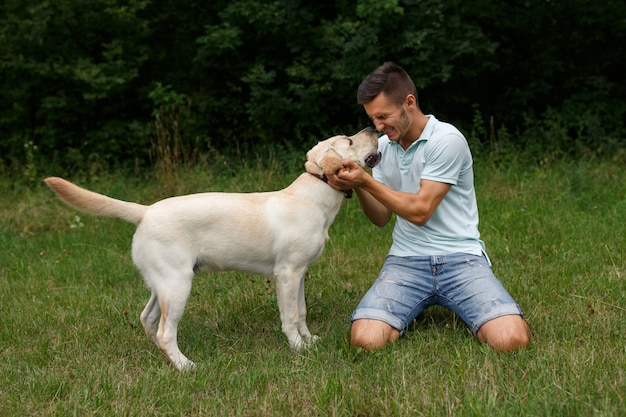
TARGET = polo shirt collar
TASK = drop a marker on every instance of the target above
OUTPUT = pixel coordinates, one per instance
(426, 133)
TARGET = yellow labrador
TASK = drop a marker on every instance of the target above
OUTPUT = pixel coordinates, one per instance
(277, 233)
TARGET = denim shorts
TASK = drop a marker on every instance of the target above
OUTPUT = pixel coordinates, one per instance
(460, 282)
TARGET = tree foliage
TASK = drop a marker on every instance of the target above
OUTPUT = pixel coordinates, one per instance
(85, 80)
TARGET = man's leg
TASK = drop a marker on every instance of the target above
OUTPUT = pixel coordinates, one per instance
(505, 333)
(372, 334)
(470, 289)
(399, 294)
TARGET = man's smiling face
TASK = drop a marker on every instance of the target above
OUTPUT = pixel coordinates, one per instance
(388, 117)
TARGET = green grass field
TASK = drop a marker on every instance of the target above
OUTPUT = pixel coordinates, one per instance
(72, 344)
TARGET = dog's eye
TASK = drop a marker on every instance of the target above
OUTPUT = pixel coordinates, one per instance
(351, 142)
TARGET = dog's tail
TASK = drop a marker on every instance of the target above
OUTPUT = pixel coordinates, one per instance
(94, 203)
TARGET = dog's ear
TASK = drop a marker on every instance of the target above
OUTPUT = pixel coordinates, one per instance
(313, 158)
(312, 167)
(323, 159)
(331, 162)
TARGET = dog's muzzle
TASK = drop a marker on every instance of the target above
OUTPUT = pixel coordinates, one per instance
(373, 160)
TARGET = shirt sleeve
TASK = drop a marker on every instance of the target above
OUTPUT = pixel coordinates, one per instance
(445, 158)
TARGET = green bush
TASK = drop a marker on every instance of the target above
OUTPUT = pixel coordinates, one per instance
(80, 79)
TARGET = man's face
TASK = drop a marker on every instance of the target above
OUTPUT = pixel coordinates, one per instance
(388, 117)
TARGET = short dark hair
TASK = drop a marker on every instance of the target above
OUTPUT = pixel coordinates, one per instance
(390, 79)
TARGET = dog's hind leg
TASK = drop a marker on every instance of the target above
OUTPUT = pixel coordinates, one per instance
(150, 318)
(172, 297)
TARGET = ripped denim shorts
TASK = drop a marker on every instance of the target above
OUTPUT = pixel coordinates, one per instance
(460, 282)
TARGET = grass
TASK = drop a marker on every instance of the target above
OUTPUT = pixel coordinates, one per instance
(72, 344)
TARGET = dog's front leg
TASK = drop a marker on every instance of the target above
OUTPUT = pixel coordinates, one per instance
(303, 329)
(287, 291)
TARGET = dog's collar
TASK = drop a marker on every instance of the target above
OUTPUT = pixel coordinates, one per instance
(346, 193)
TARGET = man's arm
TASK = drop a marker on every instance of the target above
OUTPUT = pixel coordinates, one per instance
(378, 200)
(373, 209)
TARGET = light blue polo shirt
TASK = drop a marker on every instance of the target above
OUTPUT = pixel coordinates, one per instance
(440, 154)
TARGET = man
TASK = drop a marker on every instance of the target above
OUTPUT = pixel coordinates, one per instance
(425, 177)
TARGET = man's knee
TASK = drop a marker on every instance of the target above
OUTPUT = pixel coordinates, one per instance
(372, 334)
(506, 333)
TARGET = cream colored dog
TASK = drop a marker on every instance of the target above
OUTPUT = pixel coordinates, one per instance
(276, 234)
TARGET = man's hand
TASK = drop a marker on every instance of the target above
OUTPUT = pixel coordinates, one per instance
(353, 177)
(349, 177)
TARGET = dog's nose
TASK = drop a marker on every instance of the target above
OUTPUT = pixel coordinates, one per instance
(370, 129)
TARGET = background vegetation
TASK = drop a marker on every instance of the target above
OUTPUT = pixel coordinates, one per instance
(89, 84)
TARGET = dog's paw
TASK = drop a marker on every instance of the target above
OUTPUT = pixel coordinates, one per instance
(303, 341)
(187, 366)
(312, 340)
(297, 344)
